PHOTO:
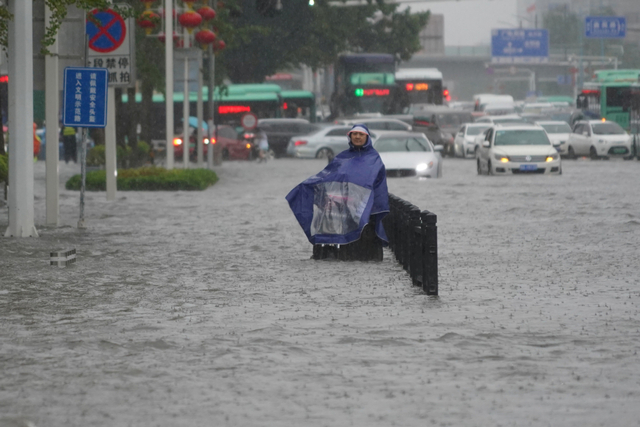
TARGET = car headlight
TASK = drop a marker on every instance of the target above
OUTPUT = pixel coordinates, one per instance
(500, 157)
(424, 166)
(551, 157)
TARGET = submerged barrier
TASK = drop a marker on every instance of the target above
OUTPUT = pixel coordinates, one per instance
(413, 238)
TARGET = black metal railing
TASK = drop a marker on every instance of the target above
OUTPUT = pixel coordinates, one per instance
(413, 238)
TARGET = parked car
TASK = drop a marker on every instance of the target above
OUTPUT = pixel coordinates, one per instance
(439, 124)
(558, 132)
(598, 139)
(280, 131)
(521, 149)
(464, 141)
(382, 123)
(324, 143)
(408, 154)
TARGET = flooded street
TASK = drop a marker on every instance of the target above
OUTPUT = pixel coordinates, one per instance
(204, 308)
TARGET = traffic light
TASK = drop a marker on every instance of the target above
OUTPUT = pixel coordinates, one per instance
(445, 94)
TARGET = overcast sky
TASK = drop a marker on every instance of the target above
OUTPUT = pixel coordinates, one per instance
(469, 22)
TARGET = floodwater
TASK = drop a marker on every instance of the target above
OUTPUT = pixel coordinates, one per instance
(203, 308)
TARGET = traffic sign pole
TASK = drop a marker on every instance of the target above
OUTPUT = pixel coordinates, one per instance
(110, 145)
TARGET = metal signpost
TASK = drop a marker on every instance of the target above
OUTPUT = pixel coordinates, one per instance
(85, 106)
(605, 27)
(519, 46)
(111, 45)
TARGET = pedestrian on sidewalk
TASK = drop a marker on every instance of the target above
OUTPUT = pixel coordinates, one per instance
(340, 209)
(70, 144)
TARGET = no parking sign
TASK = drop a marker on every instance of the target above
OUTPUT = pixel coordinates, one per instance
(111, 45)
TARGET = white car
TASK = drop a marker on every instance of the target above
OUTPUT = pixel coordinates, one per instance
(409, 154)
(322, 144)
(508, 118)
(598, 139)
(519, 149)
(380, 123)
(464, 142)
(558, 132)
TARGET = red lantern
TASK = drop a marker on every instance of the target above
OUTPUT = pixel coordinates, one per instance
(207, 13)
(205, 37)
(190, 20)
(219, 45)
(148, 20)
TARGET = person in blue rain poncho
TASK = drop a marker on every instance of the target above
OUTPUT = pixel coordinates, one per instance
(340, 209)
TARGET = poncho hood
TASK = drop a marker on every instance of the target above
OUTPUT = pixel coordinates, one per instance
(333, 206)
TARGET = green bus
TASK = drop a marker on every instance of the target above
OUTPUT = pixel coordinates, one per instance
(614, 95)
(266, 100)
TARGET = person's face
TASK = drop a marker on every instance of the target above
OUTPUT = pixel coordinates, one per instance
(358, 138)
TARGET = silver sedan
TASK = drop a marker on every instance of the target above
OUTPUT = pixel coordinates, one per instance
(326, 143)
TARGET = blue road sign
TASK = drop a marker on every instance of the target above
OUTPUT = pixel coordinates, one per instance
(519, 46)
(85, 97)
(605, 27)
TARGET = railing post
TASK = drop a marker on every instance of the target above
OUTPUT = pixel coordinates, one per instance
(430, 254)
(414, 243)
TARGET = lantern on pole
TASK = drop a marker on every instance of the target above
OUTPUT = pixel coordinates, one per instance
(207, 13)
(190, 20)
(219, 45)
(148, 21)
(205, 37)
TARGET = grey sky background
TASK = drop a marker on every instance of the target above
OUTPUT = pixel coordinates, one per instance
(469, 23)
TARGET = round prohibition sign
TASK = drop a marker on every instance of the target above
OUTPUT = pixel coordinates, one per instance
(249, 121)
(106, 30)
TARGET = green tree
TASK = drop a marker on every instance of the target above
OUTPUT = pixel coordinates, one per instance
(314, 36)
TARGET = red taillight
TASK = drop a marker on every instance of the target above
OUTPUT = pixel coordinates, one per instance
(4, 79)
(248, 135)
(409, 86)
(177, 141)
(300, 142)
(213, 140)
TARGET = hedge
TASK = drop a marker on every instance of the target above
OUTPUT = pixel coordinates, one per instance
(148, 179)
(4, 167)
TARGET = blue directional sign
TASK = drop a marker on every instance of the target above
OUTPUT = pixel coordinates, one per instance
(605, 27)
(85, 97)
(520, 46)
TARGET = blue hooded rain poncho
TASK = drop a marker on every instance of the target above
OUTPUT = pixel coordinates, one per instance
(334, 205)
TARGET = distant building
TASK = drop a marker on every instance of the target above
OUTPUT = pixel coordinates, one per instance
(432, 36)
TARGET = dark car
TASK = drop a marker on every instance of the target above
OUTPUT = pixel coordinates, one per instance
(234, 144)
(440, 124)
(280, 131)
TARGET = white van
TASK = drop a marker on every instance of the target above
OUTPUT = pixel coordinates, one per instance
(481, 100)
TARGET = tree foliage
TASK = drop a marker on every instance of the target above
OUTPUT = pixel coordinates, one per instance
(58, 14)
(314, 36)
